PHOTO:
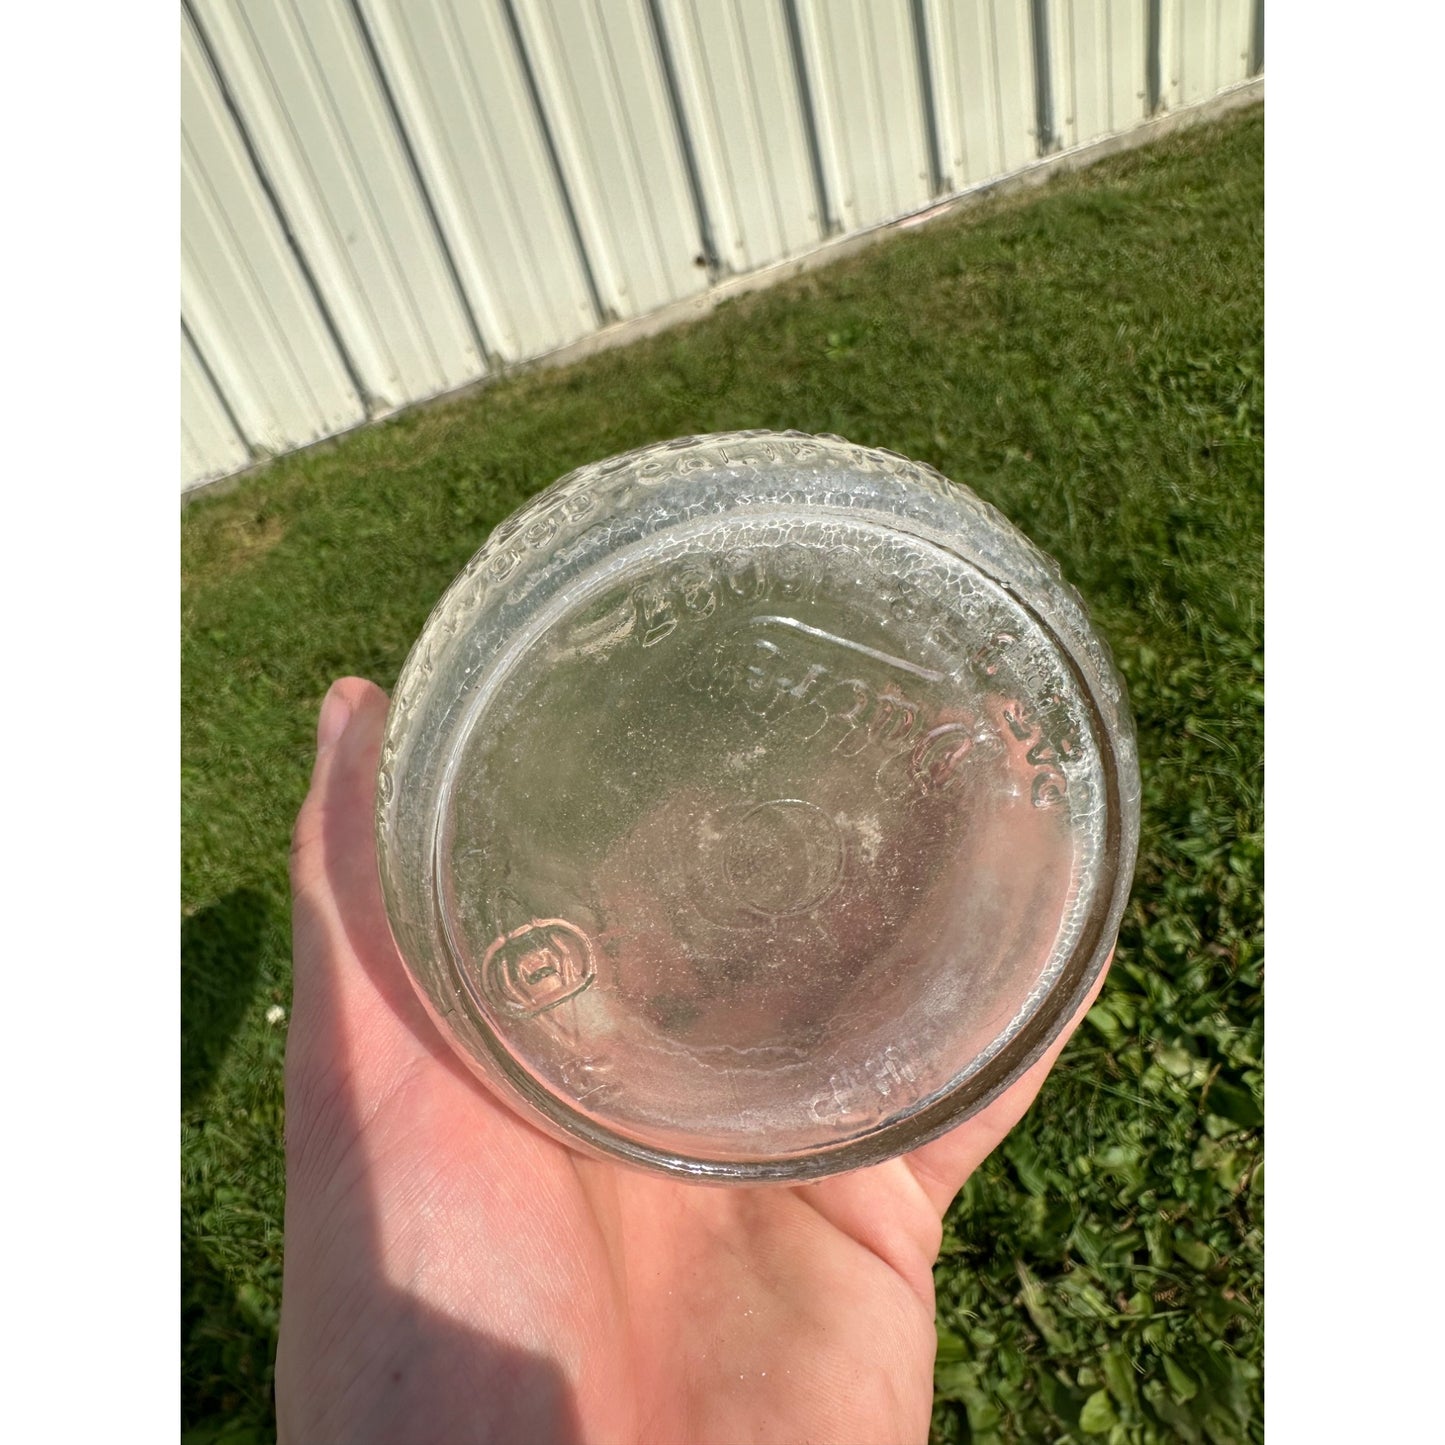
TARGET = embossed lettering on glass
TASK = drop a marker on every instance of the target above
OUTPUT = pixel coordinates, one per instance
(756, 807)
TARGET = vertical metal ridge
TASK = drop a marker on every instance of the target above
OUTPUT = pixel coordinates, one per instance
(873, 96)
(604, 313)
(711, 256)
(1153, 64)
(997, 97)
(1113, 115)
(488, 357)
(938, 181)
(830, 224)
(273, 199)
(1256, 38)
(250, 447)
(1043, 77)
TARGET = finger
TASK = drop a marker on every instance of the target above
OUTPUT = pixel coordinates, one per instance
(343, 779)
(333, 855)
(349, 983)
(943, 1166)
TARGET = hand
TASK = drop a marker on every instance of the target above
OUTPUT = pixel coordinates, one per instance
(454, 1275)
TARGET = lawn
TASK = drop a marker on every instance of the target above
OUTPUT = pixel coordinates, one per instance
(1089, 358)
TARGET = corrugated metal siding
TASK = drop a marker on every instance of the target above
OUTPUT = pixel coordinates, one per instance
(1097, 50)
(384, 199)
(605, 96)
(308, 96)
(462, 94)
(983, 87)
(1204, 47)
(862, 61)
(209, 439)
(742, 105)
(248, 306)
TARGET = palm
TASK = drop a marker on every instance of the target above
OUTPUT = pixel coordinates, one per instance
(452, 1274)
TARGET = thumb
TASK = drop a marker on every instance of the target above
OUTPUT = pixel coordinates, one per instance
(333, 850)
(345, 964)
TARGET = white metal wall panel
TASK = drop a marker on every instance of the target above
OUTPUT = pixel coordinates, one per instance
(740, 97)
(406, 187)
(1234, 36)
(210, 446)
(981, 53)
(1097, 61)
(1203, 47)
(868, 103)
(604, 94)
(242, 293)
(464, 101)
(308, 96)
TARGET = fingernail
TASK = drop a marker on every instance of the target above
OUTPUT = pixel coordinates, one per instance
(335, 714)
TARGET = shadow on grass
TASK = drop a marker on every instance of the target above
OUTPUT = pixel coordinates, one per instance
(220, 962)
(225, 1348)
(226, 1357)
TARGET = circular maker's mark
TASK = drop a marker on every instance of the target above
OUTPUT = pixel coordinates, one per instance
(783, 856)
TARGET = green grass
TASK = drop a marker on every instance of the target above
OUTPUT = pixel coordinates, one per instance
(1089, 358)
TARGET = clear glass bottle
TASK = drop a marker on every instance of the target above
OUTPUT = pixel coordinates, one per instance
(756, 806)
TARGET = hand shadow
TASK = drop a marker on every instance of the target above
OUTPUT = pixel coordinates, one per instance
(220, 962)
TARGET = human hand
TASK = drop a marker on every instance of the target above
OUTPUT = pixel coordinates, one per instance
(452, 1274)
